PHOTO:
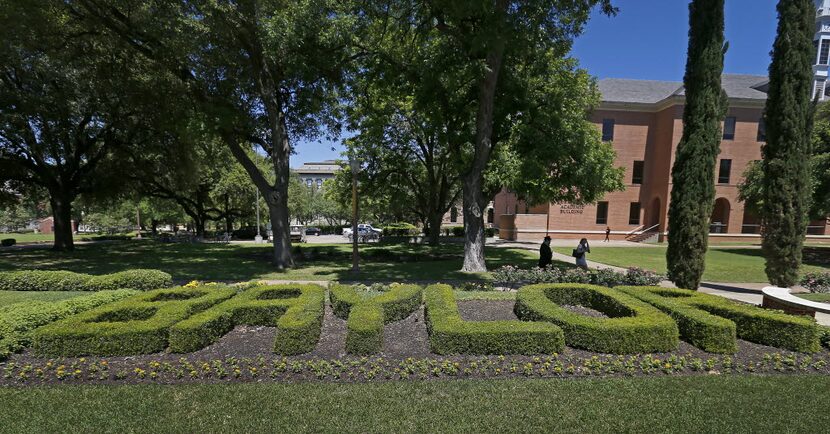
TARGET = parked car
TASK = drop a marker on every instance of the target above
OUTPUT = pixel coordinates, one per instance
(297, 234)
(362, 229)
(313, 231)
(248, 232)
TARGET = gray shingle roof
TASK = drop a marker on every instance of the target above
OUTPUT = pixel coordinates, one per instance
(652, 91)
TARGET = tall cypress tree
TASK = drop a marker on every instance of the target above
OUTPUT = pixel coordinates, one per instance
(788, 117)
(693, 173)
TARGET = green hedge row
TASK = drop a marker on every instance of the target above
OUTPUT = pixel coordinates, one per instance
(449, 334)
(366, 315)
(712, 323)
(296, 310)
(632, 327)
(19, 319)
(136, 325)
(45, 280)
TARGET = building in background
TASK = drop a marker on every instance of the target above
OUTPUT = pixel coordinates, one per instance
(821, 89)
(644, 121)
(315, 173)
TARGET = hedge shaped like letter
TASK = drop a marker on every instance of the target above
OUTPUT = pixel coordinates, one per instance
(296, 310)
(137, 325)
(47, 280)
(711, 323)
(633, 326)
(449, 334)
(19, 319)
(366, 316)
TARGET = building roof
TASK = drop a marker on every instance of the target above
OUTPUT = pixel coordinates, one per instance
(620, 90)
(326, 167)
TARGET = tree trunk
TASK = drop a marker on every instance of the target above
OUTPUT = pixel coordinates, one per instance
(281, 231)
(228, 219)
(473, 180)
(434, 225)
(154, 226)
(62, 215)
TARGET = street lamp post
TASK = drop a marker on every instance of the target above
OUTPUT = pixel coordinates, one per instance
(354, 163)
(258, 238)
(138, 220)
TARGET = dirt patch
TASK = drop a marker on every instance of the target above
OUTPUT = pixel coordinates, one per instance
(407, 337)
(487, 310)
(582, 310)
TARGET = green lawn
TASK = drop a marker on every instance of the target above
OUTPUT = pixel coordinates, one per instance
(10, 297)
(29, 237)
(723, 264)
(667, 404)
(823, 297)
(237, 262)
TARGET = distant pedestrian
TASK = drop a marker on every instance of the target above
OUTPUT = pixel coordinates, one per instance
(579, 253)
(607, 234)
(545, 254)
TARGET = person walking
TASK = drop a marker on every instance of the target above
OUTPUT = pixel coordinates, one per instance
(545, 254)
(607, 234)
(579, 253)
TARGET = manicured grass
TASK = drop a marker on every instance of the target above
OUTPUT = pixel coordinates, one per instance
(668, 404)
(823, 297)
(235, 262)
(29, 237)
(722, 264)
(10, 297)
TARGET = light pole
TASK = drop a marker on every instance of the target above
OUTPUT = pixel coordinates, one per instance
(138, 220)
(354, 164)
(258, 237)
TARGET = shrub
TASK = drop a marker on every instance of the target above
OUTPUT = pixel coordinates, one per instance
(258, 305)
(366, 315)
(457, 231)
(8, 242)
(19, 319)
(816, 282)
(449, 334)
(136, 325)
(400, 229)
(515, 276)
(46, 280)
(490, 232)
(632, 327)
(712, 323)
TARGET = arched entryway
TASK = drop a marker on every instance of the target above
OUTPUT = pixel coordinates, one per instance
(654, 211)
(719, 222)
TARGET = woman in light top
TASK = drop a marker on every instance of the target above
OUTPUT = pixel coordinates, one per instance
(580, 252)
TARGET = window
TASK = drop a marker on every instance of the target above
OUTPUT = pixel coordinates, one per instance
(729, 128)
(607, 129)
(634, 213)
(723, 172)
(819, 88)
(308, 182)
(602, 213)
(637, 173)
(762, 131)
(491, 215)
(823, 52)
(319, 182)
(454, 215)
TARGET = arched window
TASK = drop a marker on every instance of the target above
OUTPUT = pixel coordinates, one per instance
(319, 182)
(491, 215)
(454, 215)
(308, 182)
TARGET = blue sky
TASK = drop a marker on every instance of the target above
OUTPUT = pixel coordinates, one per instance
(646, 40)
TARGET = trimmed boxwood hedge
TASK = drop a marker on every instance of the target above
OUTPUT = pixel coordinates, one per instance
(19, 319)
(296, 310)
(47, 280)
(449, 334)
(712, 323)
(632, 327)
(136, 325)
(366, 315)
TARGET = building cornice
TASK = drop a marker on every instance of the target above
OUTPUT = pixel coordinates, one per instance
(672, 101)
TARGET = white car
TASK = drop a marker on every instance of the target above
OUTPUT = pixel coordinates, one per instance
(363, 229)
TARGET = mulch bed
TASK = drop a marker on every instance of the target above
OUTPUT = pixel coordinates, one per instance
(245, 355)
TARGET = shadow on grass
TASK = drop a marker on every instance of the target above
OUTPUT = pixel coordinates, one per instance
(236, 262)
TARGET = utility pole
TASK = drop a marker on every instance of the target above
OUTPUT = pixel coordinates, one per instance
(355, 166)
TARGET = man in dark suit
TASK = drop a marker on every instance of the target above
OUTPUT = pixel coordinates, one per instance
(545, 254)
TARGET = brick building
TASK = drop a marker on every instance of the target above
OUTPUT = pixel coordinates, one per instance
(643, 121)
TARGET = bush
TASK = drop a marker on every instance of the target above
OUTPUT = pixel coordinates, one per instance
(632, 327)
(8, 242)
(816, 282)
(712, 323)
(400, 229)
(457, 231)
(19, 319)
(515, 276)
(45, 280)
(491, 232)
(366, 314)
(136, 325)
(258, 305)
(449, 334)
